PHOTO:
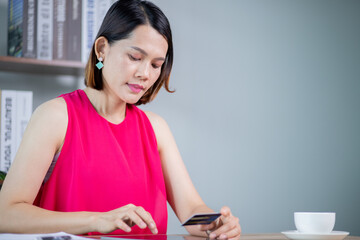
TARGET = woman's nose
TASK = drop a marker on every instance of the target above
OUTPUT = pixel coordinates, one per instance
(143, 71)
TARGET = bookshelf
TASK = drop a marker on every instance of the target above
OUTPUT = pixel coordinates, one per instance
(35, 66)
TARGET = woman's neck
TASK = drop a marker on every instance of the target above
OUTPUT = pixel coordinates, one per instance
(107, 105)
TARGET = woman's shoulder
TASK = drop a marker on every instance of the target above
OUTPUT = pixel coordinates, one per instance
(52, 111)
(161, 128)
(49, 121)
(156, 120)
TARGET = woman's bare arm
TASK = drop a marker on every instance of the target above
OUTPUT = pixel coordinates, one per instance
(43, 137)
(182, 195)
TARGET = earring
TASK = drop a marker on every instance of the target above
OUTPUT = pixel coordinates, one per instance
(100, 65)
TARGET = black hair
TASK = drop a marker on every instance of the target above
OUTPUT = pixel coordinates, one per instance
(119, 22)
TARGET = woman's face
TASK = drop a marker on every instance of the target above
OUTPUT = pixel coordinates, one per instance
(132, 65)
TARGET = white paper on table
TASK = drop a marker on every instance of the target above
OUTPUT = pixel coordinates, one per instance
(56, 236)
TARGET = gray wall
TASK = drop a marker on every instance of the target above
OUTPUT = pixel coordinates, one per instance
(266, 110)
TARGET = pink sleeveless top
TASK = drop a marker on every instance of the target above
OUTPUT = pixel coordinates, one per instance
(103, 166)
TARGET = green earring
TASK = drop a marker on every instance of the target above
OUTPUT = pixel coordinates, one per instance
(100, 65)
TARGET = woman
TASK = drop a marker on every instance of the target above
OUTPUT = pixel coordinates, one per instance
(92, 162)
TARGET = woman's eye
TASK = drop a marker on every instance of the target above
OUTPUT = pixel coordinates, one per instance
(155, 66)
(133, 58)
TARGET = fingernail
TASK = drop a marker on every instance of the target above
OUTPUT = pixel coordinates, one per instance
(152, 225)
(155, 231)
(127, 229)
(212, 235)
(223, 236)
(142, 225)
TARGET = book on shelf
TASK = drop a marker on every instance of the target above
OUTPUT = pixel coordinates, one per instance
(93, 13)
(87, 28)
(100, 12)
(54, 29)
(7, 121)
(74, 30)
(60, 26)
(15, 28)
(29, 28)
(16, 110)
(44, 30)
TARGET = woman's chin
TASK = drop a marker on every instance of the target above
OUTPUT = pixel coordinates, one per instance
(132, 100)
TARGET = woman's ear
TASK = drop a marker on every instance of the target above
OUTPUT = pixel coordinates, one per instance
(101, 44)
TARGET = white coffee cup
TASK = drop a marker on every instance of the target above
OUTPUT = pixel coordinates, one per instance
(314, 222)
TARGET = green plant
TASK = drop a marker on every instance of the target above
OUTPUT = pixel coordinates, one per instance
(2, 178)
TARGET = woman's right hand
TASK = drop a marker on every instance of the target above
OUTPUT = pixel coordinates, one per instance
(124, 218)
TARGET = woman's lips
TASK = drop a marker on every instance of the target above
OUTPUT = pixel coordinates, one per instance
(136, 88)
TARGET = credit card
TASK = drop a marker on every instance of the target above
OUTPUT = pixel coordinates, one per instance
(203, 219)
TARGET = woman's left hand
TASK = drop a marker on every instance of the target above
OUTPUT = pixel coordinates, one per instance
(225, 227)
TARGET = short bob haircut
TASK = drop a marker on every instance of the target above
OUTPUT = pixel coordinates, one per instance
(120, 20)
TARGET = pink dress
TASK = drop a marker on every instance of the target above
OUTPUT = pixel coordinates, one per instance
(103, 166)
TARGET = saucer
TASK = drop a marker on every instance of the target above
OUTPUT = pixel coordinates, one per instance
(334, 235)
